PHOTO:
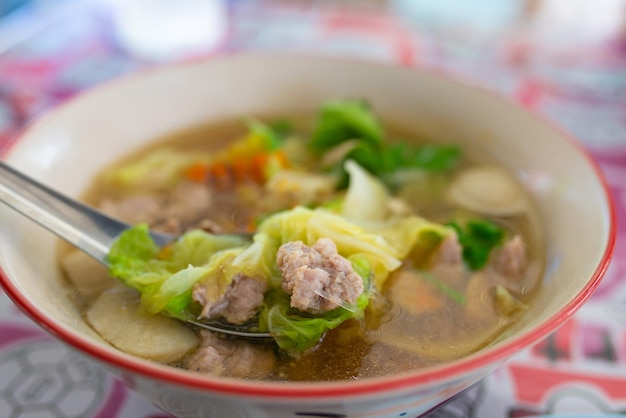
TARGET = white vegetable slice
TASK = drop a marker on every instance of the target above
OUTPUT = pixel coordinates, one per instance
(88, 276)
(489, 190)
(367, 197)
(118, 317)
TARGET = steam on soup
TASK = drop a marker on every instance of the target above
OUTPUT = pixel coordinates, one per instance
(370, 255)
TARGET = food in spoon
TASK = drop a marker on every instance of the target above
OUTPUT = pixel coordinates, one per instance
(372, 250)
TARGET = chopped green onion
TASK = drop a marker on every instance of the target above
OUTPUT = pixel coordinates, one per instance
(445, 288)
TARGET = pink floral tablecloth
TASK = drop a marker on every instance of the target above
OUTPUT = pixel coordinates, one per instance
(576, 79)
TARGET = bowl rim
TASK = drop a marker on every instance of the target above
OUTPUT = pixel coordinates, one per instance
(410, 380)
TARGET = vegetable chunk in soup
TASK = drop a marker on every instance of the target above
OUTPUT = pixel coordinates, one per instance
(368, 255)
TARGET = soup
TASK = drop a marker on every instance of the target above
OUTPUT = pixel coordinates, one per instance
(361, 249)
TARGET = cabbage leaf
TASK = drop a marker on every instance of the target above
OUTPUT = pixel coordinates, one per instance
(165, 277)
(367, 198)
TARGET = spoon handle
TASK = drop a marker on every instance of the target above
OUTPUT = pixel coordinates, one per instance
(79, 224)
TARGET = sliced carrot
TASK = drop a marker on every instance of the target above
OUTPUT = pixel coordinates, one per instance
(221, 174)
(257, 169)
(240, 169)
(197, 172)
(414, 294)
(237, 169)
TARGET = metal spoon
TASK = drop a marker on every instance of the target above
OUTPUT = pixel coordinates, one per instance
(82, 226)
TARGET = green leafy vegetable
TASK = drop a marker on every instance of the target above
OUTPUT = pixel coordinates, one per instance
(134, 246)
(478, 238)
(372, 158)
(283, 128)
(431, 157)
(257, 260)
(342, 120)
(295, 331)
(165, 277)
(353, 120)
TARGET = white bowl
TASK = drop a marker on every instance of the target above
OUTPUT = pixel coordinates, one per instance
(67, 146)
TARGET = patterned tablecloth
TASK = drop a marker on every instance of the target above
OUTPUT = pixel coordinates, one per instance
(568, 66)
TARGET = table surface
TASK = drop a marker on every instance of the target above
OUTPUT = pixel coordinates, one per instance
(570, 68)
